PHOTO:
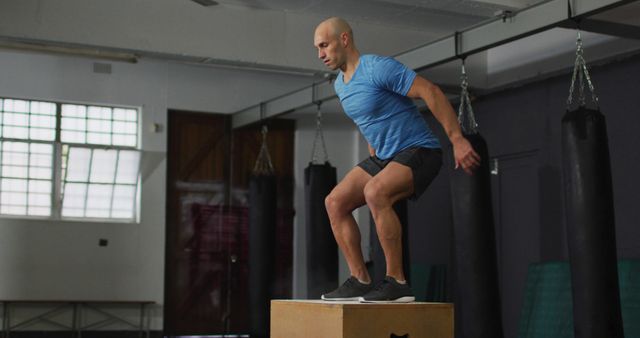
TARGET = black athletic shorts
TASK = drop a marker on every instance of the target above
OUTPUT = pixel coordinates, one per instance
(425, 164)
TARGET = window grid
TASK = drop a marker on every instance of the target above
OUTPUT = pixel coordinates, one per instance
(31, 180)
(106, 125)
(1, 159)
(32, 112)
(113, 186)
(86, 138)
(90, 183)
(29, 204)
(56, 196)
(86, 190)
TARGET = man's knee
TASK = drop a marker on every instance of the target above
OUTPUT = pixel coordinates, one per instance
(376, 196)
(334, 205)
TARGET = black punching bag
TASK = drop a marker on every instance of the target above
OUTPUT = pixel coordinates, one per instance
(590, 225)
(262, 229)
(477, 297)
(322, 250)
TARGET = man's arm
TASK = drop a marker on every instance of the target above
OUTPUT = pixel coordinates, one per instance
(437, 102)
(372, 151)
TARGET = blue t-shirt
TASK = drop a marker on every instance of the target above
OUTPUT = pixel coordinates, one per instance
(375, 99)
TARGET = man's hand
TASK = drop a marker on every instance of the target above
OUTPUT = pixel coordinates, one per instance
(464, 155)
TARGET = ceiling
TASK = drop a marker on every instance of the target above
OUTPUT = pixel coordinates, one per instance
(628, 14)
(436, 16)
(269, 34)
(547, 53)
(276, 35)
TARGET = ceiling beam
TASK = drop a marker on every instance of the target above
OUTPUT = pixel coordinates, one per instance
(475, 39)
(508, 3)
(606, 27)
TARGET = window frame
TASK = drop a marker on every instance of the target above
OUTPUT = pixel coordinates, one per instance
(57, 161)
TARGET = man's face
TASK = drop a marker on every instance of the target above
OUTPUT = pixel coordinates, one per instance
(330, 49)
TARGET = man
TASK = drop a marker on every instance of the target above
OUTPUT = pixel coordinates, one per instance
(376, 93)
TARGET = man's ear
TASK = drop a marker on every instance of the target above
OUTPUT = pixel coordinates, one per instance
(344, 39)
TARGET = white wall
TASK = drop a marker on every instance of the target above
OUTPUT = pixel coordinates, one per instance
(345, 148)
(42, 259)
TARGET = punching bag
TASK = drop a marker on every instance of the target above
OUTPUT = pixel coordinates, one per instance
(322, 250)
(477, 297)
(591, 230)
(590, 225)
(262, 230)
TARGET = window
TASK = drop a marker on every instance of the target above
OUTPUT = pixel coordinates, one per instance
(66, 161)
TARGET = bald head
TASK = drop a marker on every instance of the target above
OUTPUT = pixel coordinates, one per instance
(336, 26)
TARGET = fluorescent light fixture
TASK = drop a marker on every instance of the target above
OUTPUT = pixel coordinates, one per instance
(206, 3)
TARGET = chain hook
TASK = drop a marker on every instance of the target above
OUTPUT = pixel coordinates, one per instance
(263, 165)
(319, 137)
(467, 124)
(581, 71)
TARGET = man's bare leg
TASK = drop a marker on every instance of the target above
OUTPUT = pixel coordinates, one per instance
(347, 196)
(393, 183)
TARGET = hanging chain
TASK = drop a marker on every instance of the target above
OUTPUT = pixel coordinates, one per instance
(263, 163)
(582, 72)
(319, 138)
(468, 124)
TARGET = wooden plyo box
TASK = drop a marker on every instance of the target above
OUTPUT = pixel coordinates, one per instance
(320, 319)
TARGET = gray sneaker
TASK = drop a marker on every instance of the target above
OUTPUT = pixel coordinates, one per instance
(351, 289)
(389, 291)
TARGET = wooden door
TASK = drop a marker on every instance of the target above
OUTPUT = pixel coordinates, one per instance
(206, 267)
